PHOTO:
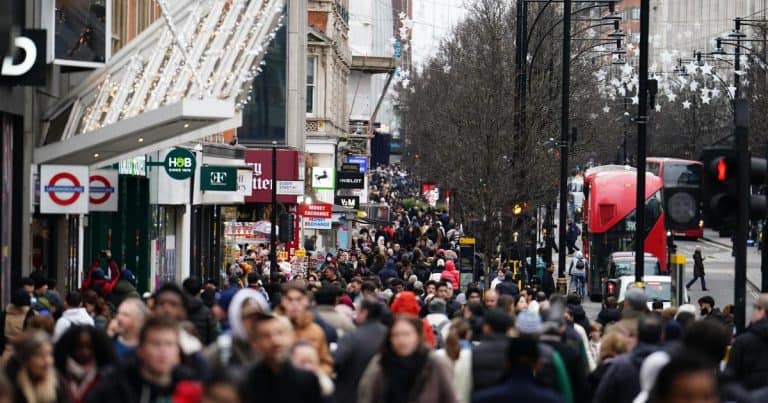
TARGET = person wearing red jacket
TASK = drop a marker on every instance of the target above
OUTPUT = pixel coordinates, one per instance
(451, 274)
(406, 303)
(103, 272)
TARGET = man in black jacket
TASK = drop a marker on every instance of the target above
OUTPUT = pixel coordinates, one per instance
(199, 314)
(748, 361)
(275, 379)
(356, 349)
(621, 383)
(155, 374)
(488, 357)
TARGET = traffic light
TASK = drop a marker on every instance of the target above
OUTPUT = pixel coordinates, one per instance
(286, 227)
(718, 186)
(719, 191)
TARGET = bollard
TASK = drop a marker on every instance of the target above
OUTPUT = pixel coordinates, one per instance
(676, 272)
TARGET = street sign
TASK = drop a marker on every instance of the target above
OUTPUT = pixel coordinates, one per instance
(317, 223)
(179, 163)
(290, 188)
(349, 167)
(352, 202)
(323, 178)
(102, 190)
(350, 180)
(361, 161)
(63, 189)
(218, 178)
(466, 241)
(316, 210)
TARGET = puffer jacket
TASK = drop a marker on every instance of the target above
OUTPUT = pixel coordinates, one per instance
(451, 274)
(748, 360)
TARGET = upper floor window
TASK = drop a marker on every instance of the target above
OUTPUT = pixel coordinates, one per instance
(311, 84)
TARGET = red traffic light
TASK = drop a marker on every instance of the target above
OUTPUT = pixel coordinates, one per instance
(722, 170)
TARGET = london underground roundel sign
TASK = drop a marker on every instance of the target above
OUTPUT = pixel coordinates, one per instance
(64, 189)
(103, 190)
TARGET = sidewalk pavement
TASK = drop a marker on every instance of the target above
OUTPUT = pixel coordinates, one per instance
(754, 260)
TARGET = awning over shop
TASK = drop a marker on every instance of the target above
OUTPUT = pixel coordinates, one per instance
(184, 78)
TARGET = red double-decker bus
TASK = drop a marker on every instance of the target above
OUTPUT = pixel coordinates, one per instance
(610, 221)
(682, 194)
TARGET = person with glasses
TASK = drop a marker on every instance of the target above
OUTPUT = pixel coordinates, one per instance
(749, 354)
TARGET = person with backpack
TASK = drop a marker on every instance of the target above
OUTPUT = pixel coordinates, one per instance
(578, 273)
(571, 235)
(439, 321)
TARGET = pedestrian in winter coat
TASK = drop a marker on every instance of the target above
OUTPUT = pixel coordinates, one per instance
(356, 349)
(155, 375)
(698, 270)
(406, 303)
(406, 370)
(80, 356)
(621, 383)
(13, 323)
(295, 306)
(199, 314)
(31, 371)
(74, 315)
(547, 281)
(326, 298)
(125, 288)
(522, 357)
(748, 360)
(451, 274)
(488, 362)
(275, 379)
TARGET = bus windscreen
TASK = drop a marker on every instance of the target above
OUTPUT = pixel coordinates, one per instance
(682, 174)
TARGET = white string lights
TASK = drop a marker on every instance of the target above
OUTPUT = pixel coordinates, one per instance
(209, 48)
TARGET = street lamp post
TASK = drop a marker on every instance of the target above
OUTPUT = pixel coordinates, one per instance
(564, 115)
(642, 121)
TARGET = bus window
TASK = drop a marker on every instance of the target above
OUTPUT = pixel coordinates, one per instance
(653, 167)
(682, 174)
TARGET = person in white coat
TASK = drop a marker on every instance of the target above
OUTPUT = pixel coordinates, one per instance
(74, 314)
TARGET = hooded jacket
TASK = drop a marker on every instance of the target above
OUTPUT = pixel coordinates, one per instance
(70, 317)
(406, 303)
(451, 274)
(231, 350)
(621, 384)
(123, 290)
(749, 356)
(201, 316)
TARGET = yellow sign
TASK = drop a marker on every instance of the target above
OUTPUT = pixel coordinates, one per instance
(282, 255)
(678, 259)
(300, 253)
(466, 241)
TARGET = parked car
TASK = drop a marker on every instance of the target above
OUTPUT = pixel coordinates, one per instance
(657, 288)
(622, 264)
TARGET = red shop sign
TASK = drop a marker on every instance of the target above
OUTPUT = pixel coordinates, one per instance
(261, 184)
(316, 210)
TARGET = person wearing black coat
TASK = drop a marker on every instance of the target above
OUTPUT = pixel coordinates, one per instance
(199, 314)
(698, 270)
(748, 360)
(488, 359)
(356, 349)
(547, 281)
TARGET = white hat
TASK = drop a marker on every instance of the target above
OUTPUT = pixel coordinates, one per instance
(648, 374)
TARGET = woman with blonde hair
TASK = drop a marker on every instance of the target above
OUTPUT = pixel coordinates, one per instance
(613, 344)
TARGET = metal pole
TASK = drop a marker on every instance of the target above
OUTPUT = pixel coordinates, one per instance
(741, 122)
(642, 120)
(564, 138)
(273, 229)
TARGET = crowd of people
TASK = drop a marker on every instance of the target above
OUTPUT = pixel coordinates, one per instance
(387, 320)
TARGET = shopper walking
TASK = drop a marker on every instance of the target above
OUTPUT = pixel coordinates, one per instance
(698, 270)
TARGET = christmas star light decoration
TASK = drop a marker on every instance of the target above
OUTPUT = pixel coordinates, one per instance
(686, 104)
(671, 96)
(606, 109)
(706, 69)
(705, 99)
(635, 100)
(658, 107)
(731, 91)
(694, 85)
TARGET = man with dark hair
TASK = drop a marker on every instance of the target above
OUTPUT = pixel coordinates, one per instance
(199, 314)
(487, 357)
(708, 310)
(749, 354)
(155, 375)
(474, 295)
(622, 381)
(172, 302)
(275, 379)
(326, 299)
(610, 312)
(295, 306)
(357, 348)
(74, 314)
(522, 362)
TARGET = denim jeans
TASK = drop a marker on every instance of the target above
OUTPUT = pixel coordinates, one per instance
(693, 280)
(575, 276)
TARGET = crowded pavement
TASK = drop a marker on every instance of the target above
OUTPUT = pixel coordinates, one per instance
(385, 321)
